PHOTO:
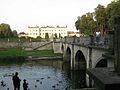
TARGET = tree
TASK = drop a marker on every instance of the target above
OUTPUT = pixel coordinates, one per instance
(100, 18)
(83, 24)
(91, 24)
(112, 11)
(38, 37)
(77, 24)
(15, 33)
(86, 24)
(60, 35)
(55, 35)
(46, 35)
(6, 30)
(1, 34)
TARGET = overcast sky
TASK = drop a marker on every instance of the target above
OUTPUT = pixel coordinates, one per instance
(20, 14)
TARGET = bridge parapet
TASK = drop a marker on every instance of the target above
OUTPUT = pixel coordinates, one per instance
(83, 40)
(88, 40)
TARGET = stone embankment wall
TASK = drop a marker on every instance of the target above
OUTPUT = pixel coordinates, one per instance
(9, 44)
(57, 47)
(27, 45)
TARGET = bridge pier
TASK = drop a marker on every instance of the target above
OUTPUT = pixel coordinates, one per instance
(72, 59)
(90, 66)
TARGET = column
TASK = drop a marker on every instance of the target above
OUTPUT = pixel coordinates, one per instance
(117, 43)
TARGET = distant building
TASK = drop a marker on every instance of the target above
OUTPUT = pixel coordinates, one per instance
(22, 34)
(33, 31)
(41, 31)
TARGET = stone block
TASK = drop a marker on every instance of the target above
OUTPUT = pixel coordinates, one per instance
(105, 78)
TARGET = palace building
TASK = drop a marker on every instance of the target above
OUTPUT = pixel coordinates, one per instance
(36, 31)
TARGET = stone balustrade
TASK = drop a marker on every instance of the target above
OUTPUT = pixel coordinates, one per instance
(89, 40)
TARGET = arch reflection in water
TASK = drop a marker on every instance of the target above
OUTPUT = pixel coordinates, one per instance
(76, 77)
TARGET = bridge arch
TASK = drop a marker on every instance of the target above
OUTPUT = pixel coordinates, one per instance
(67, 55)
(68, 52)
(80, 61)
(101, 62)
(80, 65)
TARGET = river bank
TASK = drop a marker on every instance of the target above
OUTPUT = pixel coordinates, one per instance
(30, 58)
(21, 55)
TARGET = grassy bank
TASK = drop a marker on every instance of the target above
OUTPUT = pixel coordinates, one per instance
(10, 52)
(18, 55)
(20, 52)
(42, 53)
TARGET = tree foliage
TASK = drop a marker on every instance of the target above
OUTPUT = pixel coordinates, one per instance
(15, 34)
(46, 35)
(112, 11)
(102, 19)
(55, 35)
(77, 23)
(38, 37)
(60, 35)
(86, 24)
(5, 31)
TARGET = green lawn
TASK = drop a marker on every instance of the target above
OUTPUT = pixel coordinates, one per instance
(42, 53)
(13, 55)
(33, 53)
(12, 52)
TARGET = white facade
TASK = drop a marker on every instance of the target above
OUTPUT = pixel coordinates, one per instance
(41, 31)
(33, 31)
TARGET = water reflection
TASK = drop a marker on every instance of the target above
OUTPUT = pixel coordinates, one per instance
(77, 77)
(43, 75)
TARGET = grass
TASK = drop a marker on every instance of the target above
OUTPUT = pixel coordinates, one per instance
(17, 56)
(34, 53)
(12, 52)
(42, 53)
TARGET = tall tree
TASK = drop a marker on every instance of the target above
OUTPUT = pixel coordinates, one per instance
(6, 30)
(77, 24)
(112, 11)
(46, 35)
(15, 33)
(1, 34)
(91, 24)
(86, 24)
(60, 35)
(100, 18)
(55, 35)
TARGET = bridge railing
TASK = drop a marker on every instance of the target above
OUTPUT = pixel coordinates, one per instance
(101, 41)
(82, 40)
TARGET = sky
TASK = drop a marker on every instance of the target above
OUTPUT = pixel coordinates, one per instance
(20, 14)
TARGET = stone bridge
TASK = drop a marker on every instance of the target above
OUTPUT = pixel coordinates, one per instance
(83, 53)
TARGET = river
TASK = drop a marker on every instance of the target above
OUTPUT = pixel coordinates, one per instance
(40, 75)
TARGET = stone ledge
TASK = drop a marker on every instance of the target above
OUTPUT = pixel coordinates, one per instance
(30, 58)
(107, 55)
(105, 78)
